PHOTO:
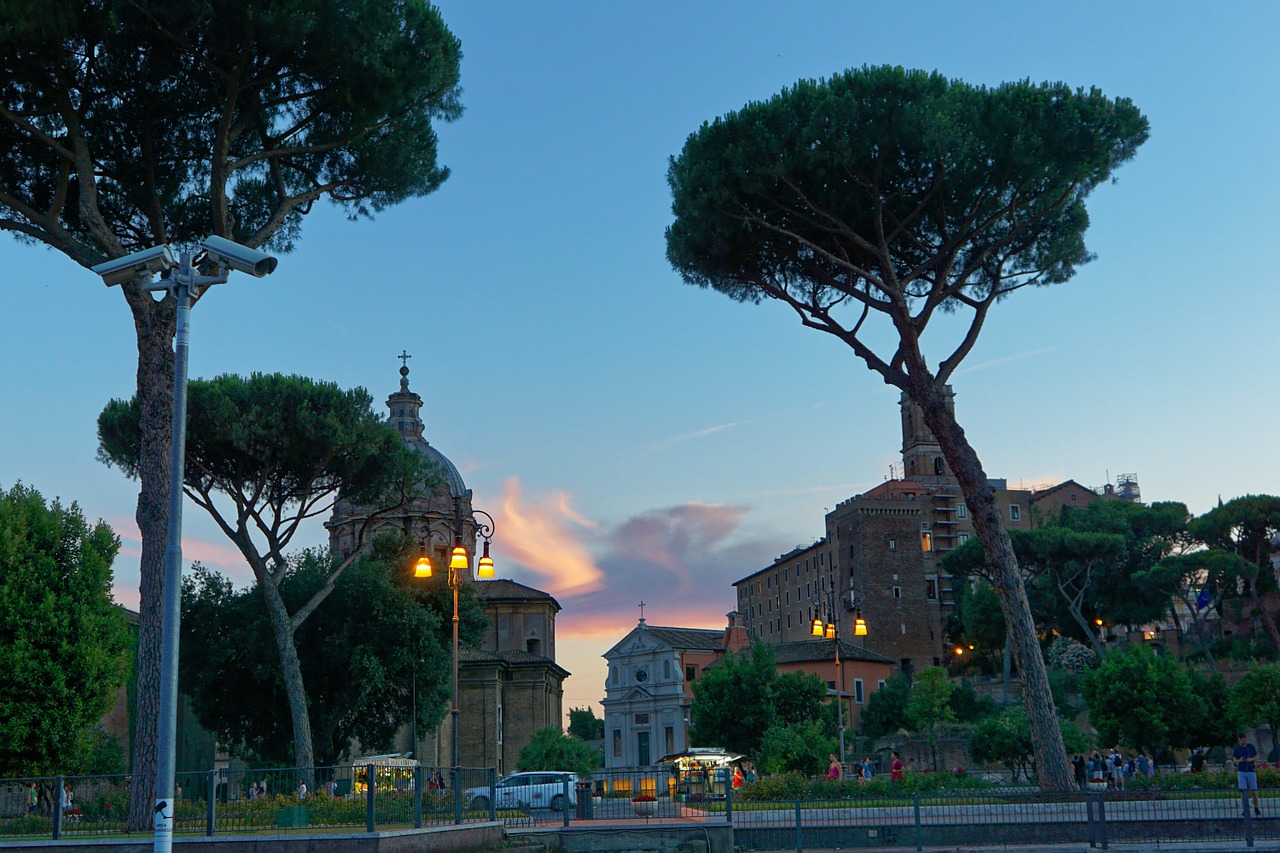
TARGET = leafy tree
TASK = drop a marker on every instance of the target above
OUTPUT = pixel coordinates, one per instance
(63, 643)
(1255, 699)
(584, 724)
(890, 196)
(281, 448)
(1247, 526)
(982, 623)
(740, 698)
(886, 710)
(1211, 721)
(552, 749)
(967, 706)
(361, 655)
(126, 124)
(930, 705)
(1005, 739)
(1141, 700)
(801, 747)
(1064, 561)
(1198, 581)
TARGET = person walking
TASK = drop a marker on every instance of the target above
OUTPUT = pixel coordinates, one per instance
(1243, 755)
(33, 798)
(834, 770)
(864, 772)
(897, 768)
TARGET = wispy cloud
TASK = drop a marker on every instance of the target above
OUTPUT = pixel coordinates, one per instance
(701, 433)
(541, 536)
(1006, 359)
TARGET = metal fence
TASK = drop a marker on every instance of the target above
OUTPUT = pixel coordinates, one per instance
(363, 798)
(1010, 818)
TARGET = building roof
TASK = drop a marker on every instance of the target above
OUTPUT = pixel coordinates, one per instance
(504, 589)
(510, 658)
(687, 639)
(802, 651)
(793, 553)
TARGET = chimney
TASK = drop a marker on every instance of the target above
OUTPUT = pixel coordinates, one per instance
(735, 635)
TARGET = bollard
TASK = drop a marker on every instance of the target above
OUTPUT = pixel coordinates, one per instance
(799, 830)
(1248, 818)
(919, 830)
(1102, 819)
(209, 814)
(57, 807)
(564, 802)
(728, 797)
(417, 797)
(455, 776)
(493, 793)
(369, 789)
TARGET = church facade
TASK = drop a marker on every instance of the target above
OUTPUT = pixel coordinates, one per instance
(511, 685)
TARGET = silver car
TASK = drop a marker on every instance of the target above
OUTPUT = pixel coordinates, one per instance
(543, 789)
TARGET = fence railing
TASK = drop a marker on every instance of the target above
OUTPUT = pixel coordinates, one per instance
(360, 797)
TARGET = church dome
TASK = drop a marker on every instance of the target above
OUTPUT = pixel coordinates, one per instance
(405, 408)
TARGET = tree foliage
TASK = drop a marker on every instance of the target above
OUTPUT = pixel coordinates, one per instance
(930, 705)
(376, 640)
(1005, 739)
(126, 124)
(281, 448)
(798, 747)
(64, 646)
(743, 696)
(1142, 701)
(1255, 699)
(870, 202)
(584, 724)
(886, 709)
(552, 749)
(1248, 526)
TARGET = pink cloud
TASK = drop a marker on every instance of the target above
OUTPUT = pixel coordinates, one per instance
(541, 536)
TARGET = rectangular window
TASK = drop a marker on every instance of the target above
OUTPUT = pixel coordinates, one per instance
(671, 739)
(931, 589)
(962, 510)
(642, 719)
(786, 574)
(879, 683)
(857, 691)
(617, 743)
(788, 621)
(963, 537)
(897, 592)
(926, 540)
(690, 673)
(1015, 512)
(893, 544)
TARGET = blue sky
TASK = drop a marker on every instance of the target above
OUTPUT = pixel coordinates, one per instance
(641, 439)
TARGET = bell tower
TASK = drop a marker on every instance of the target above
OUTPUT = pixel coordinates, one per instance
(921, 453)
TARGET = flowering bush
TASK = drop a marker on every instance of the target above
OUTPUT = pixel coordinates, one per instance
(644, 798)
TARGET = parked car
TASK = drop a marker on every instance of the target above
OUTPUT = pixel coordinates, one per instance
(542, 789)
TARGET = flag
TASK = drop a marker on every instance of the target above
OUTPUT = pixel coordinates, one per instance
(1204, 599)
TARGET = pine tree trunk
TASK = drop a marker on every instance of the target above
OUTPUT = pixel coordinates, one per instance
(1052, 768)
(154, 323)
(291, 673)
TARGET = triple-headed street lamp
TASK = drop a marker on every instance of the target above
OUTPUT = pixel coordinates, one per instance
(831, 630)
(459, 563)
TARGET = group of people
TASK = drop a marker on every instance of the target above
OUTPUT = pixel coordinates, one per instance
(1112, 768)
(258, 789)
(897, 770)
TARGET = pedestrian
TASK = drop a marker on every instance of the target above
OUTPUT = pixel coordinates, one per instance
(33, 798)
(439, 779)
(834, 770)
(332, 787)
(1243, 755)
(864, 772)
(1078, 764)
(302, 791)
(68, 804)
(738, 778)
(1198, 760)
(1143, 765)
(751, 774)
(896, 768)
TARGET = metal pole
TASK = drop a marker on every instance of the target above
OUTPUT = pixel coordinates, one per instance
(172, 588)
(453, 713)
(840, 699)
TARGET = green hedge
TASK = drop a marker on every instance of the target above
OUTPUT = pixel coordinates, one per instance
(793, 786)
(1268, 777)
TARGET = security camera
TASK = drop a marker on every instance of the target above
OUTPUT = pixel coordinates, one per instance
(129, 267)
(239, 258)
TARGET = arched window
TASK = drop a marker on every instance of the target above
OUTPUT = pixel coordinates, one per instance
(937, 465)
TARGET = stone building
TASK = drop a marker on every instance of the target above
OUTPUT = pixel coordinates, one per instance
(509, 687)
(649, 688)
(882, 554)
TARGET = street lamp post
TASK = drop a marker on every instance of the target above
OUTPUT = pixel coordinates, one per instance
(459, 561)
(182, 281)
(831, 630)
